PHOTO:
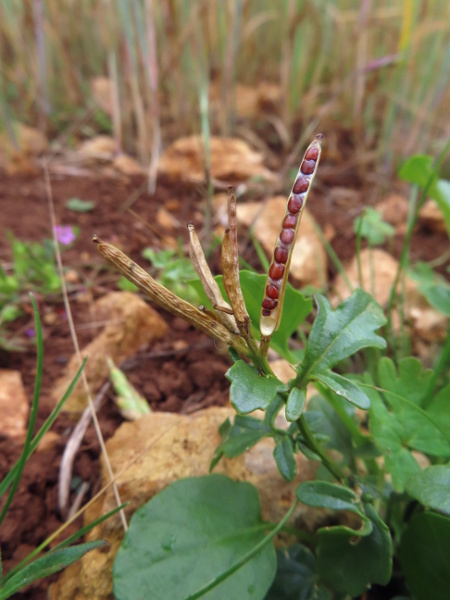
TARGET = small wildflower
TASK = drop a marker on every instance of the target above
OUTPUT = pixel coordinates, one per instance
(30, 332)
(65, 234)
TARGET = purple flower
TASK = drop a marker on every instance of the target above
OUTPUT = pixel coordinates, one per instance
(65, 234)
(29, 332)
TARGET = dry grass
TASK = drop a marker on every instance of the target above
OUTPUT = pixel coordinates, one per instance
(378, 69)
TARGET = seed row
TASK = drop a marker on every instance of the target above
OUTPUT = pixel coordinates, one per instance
(276, 280)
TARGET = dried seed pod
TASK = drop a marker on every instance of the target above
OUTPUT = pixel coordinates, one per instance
(272, 305)
(167, 299)
(233, 288)
(212, 290)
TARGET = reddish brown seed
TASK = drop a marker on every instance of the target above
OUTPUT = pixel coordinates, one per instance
(269, 304)
(308, 166)
(301, 185)
(312, 153)
(280, 255)
(276, 271)
(294, 205)
(286, 236)
(272, 292)
(266, 313)
(289, 222)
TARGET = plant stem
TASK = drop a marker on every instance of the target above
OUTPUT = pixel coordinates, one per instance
(311, 442)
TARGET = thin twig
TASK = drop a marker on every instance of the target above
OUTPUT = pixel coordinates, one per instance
(77, 346)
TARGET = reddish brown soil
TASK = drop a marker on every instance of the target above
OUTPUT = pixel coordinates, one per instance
(170, 378)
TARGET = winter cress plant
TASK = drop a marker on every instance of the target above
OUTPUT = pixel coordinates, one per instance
(206, 537)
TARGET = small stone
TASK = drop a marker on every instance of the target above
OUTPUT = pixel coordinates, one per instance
(13, 404)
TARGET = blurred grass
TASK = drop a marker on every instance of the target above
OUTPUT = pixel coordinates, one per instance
(378, 69)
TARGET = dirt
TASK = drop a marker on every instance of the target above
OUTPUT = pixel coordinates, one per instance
(171, 374)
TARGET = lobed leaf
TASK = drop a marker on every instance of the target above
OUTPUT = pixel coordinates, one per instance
(297, 577)
(425, 556)
(337, 334)
(431, 487)
(249, 390)
(350, 565)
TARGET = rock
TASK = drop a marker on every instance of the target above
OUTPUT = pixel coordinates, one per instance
(101, 148)
(166, 220)
(309, 259)
(13, 404)
(378, 270)
(19, 149)
(231, 160)
(282, 369)
(431, 215)
(394, 210)
(127, 165)
(131, 323)
(378, 273)
(159, 449)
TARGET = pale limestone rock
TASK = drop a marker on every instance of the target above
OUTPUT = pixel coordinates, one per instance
(127, 165)
(166, 447)
(378, 269)
(166, 220)
(282, 369)
(394, 210)
(101, 148)
(130, 324)
(309, 259)
(432, 216)
(13, 404)
(231, 160)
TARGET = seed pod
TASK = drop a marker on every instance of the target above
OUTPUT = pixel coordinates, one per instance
(167, 299)
(210, 285)
(272, 304)
(233, 287)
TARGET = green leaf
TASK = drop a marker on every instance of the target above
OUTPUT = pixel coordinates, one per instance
(410, 382)
(438, 295)
(295, 404)
(350, 564)
(420, 171)
(425, 556)
(405, 424)
(245, 433)
(389, 434)
(78, 205)
(323, 494)
(431, 487)
(188, 535)
(296, 577)
(345, 388)
(46, 565)
(126, 286)
(417, 169)
(373, 228)
(337, 334)
(330, 425)
(249, 390)
(439, 408)
(295, 308)
(160, 259)
(284, 457)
